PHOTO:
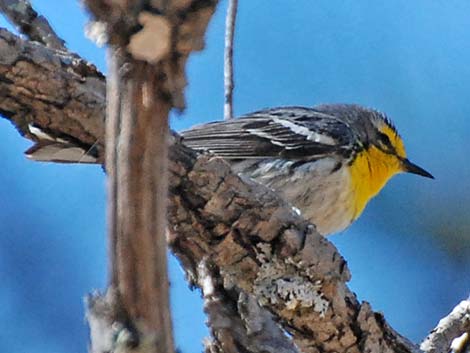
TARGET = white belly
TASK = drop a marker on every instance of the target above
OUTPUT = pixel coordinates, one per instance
(324, 197)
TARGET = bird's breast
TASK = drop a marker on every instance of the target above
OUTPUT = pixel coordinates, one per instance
(319, 189)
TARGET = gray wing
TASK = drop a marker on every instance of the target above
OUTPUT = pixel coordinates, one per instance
(288, 132)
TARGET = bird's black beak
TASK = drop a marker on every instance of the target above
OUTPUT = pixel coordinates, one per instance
(413, 168)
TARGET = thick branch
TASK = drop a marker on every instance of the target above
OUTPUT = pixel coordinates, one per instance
(54, 90)
(238, 324)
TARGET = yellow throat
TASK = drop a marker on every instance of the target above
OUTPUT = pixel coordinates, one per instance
(370, 171)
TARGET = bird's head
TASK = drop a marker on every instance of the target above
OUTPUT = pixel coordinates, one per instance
(384, 142)
(378, 136)
(380, 151)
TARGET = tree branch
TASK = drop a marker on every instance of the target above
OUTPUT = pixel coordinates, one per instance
(238, 324)
(56, 91)
(30, 23)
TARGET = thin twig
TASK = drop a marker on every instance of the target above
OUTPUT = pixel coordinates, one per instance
(228, 58)
(22, 15)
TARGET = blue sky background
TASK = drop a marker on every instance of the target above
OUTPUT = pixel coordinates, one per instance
(409, 253)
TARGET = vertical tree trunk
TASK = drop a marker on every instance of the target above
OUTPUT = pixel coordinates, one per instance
(136, 162)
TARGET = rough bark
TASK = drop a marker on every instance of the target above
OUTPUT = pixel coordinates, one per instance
(238, 325)
(52, 89)
(235, 237)
(29, 22)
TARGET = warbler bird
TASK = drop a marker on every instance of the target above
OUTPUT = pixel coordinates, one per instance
(328, 161)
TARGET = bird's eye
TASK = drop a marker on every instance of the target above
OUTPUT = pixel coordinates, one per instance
(385, 140)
